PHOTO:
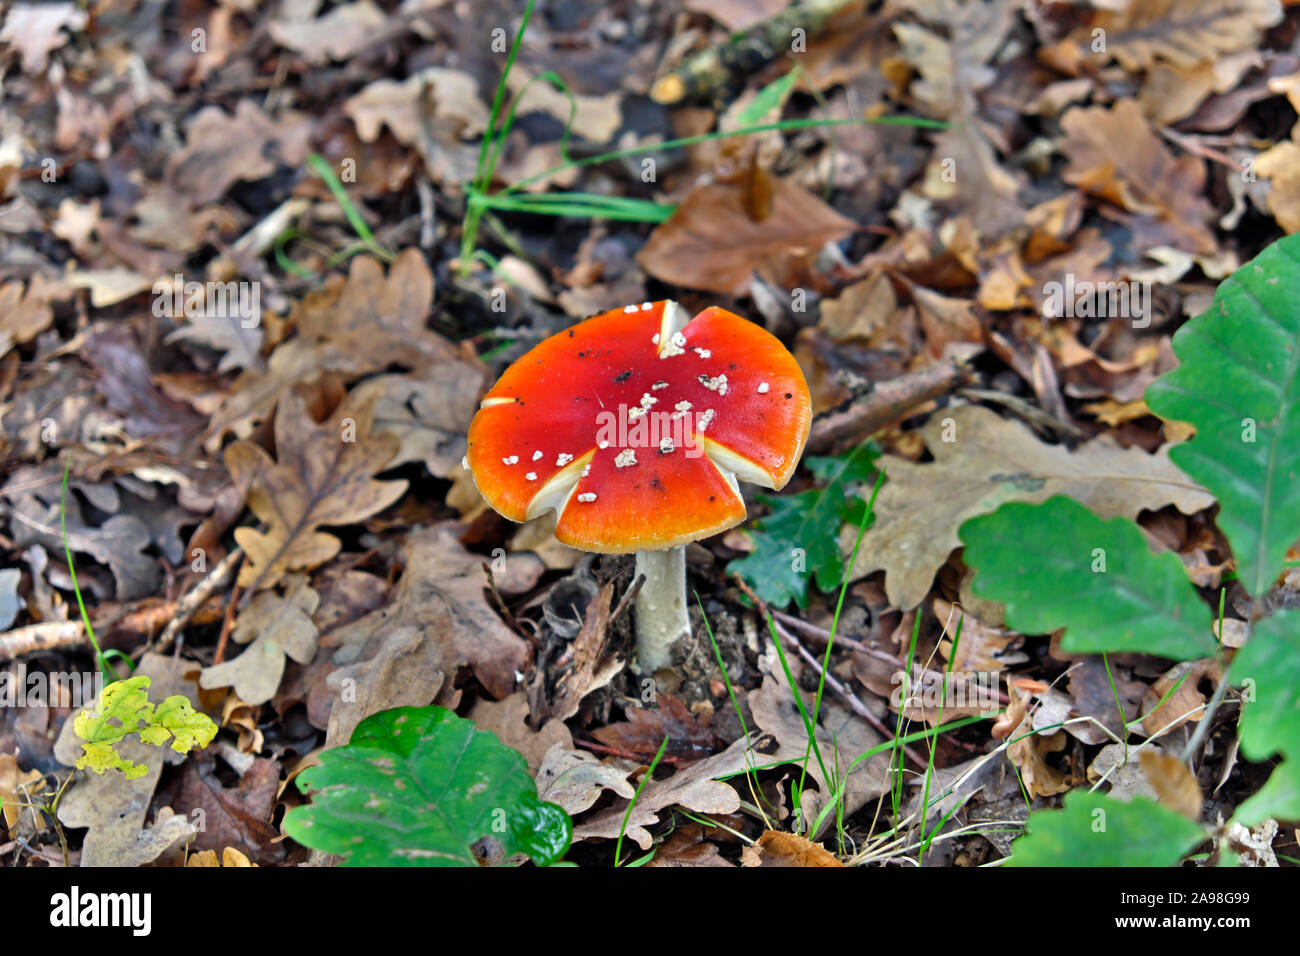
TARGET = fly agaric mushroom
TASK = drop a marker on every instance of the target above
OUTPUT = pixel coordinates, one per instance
(633, 426)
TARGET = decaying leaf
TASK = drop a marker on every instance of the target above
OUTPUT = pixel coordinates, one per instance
(775, 848)
(366, 323)
(1115, 154)
(1180, 32)
(222, 149)
(36, 29)
(407, 670)
(25, 312)
(985, 461)
(693, 787)
(1186, 703)
(428, 415)
(115, 809)
(575, 779)
(324, 476)
(711, 243)
(278, 626)
(1173, 783)
(441, 597)
(507, 719)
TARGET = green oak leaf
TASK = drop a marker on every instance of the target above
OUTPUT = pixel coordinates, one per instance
(1238, 382)
(1278, 799)
(1044, 562)
(1269, 667)
(1095, 829)
(419, 786)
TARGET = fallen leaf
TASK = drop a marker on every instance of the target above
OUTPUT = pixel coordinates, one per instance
(1180, 32)
(324, 476)
(109, 286)
(222, 149)
(230, 816)
(775, 848)
(574, 779)
(441, 595)
(1029, 753)
(114, 808)
(429, 416)
(278, 627)
(26, 312)
(711, 243)
(1116, 155)
(346, 29)
(34, 29)
(642, 733)
(118, 543)
(592, 667)
(687, 846)
(508, 720)
(1187, 703)
(240, 346)
(230, 857)
(693, 788)
(594, 118)
(407, 670)
(432, 111)
(988, 461)
(1173, 783)
(17, 786)
(366, 323)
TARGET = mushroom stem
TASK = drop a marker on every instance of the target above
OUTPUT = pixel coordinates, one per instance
(661, 612)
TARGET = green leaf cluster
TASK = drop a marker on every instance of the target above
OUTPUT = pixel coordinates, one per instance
(124, 709)
(1057, 565)
(799, 540)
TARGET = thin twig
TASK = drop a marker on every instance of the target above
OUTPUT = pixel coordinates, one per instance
(885, 403)
(194, 600)
(823, 636)
(849, 697)
(616, 752)
(227, 623)
(628, 597)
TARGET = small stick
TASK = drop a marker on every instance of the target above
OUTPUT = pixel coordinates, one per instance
(615, 752)
(885, 403)
(832, 682)
(194, 599)
(41, 637)
(628, 597)
(227, 622)
(824, 636)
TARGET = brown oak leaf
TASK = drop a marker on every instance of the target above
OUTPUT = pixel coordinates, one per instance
(221, 149)
(324, 476)
(366, 323)
(711, 243)
(278, 626)
(441, 595)
(1116, 155)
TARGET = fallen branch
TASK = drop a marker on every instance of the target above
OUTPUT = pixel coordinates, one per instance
(41, 637)
(192, 601)
(885, 403)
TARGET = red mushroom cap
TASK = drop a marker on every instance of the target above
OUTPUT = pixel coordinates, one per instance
(635, 424)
